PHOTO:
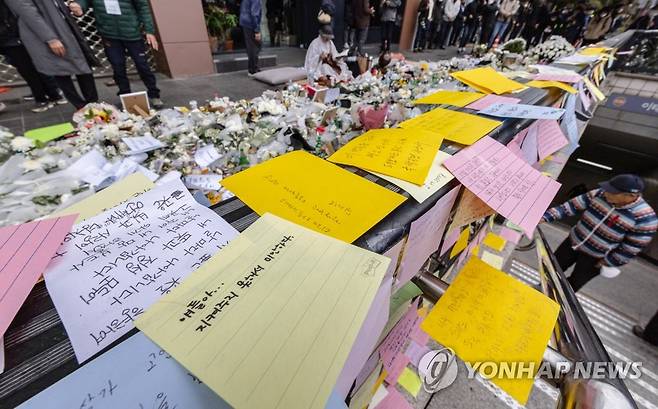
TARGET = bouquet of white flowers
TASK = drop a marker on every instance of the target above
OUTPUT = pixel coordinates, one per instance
(550, 50)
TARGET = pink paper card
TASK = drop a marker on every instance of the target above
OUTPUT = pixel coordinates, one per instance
(395, 341)
(550, 138)
(415, 352)
(570, 78)
(399, 363)
(25, 251)
(503, 181)
(419, 335)
(394, 400)
(450, 240)
(510, 235)
(488, 100)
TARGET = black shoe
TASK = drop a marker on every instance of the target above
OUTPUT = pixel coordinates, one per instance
(442, 48)
(638, 331)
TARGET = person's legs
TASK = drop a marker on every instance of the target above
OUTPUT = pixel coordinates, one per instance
(456, 32)
(651, 330)
(252, 49)
(361, 37)
(565, 255)
(466, 36)
(584, 271)
(49, 84)
(498, 29)
(445, 27)
(20, 59)
(138, 54)
(271, 28)
(115, 50)
(88, 87)
(65, 83)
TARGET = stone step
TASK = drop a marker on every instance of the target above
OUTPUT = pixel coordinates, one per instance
(239, 62)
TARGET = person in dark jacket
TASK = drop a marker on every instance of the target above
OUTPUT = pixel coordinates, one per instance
(250, 15)
(521, 19)
(348, 20)
(57, 47)
(472, 13)
(44, 89)
(120, 25)
(616, 224)
(389, 13)
(361, 13)
(537, 21)
(422, 25)
(489, 12)
(274, 14)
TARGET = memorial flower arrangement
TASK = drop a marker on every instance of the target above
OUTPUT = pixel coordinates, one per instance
(550, 50)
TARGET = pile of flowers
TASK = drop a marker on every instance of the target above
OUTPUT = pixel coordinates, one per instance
(550, 50)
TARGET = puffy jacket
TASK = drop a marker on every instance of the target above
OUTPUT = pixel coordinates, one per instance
(135, 14)
(615, 235)
(250, 14)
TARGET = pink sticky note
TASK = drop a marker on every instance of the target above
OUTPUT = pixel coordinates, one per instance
(570, 78)
(419, 335)
(450, 240)
(25, 251)
(393, 373)
(394, 342)
(510, 235)
(488, 100)
(394, 400)
(415, 352)
(550, 138)
(424, 237)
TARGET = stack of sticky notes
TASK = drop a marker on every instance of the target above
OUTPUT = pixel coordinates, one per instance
(488, 81)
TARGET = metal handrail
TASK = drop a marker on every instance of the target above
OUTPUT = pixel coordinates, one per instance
(574, 338)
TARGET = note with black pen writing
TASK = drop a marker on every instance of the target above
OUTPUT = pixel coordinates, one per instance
(269, 321)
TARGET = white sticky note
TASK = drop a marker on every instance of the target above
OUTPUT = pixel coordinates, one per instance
(142, 144)
(203, 182)
(205, 156)
(116, 264)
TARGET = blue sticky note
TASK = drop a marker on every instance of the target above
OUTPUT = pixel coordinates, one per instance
(522, 111)
(335, 402)
(134, 374)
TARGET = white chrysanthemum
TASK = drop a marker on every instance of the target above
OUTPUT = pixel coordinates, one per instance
(21, 144)
(29, 165)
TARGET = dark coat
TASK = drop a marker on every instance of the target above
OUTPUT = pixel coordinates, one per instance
(135, 14)
(40, 21)
(8, 27)
(361, 13)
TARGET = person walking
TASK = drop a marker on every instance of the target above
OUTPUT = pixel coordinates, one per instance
(57, 47)
(650, 332)
(506, 12)
(598, 27)
(362, 12)
(471, 22)
(120, 25)
(450, 12)
(422, 25)
(616, 223)
(44, 89)
(250, 15)
(389, 10)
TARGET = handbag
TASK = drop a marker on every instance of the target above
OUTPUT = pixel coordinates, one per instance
(79, 37)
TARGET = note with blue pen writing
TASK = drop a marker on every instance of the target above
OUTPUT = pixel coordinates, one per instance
(135, 374)
(284, 305)
(114, 265)
(522, 111)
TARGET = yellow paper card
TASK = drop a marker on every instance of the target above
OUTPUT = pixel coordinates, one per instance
(488, 79)
(594, 89)
(461, 243)
(595, 51)
(270, 319)
(314, 193)
(405, 154)
(552, 84)
(488, 316)
(119, 192)
(455, 98)
(494, 241)
(410, 381)
(453, 125)
(493, 260)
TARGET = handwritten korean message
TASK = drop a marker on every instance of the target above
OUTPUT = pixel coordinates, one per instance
(453, 125)
(114, 265)
(522, 111)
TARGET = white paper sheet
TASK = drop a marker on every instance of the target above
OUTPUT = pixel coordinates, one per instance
(203, 182)
(205, 156)
(135, 374)
(523, 111)
(142, 144)
(114, 265)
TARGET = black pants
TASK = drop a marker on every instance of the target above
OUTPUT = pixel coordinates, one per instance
(253, 48)
(651, 330)
(467, 35)
(87, 86)
(456, 31)
(585, 268)
(116, 51)
(42, 86)
(446, 26)
(387, 34)
(421, 33)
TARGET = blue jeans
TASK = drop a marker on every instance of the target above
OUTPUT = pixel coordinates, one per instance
(116, 51)
(499, 30)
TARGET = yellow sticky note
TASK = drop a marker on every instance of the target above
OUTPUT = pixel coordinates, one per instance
(488, 316)
(494, 241)
(282, 307)
(493, 260)
(595, 51)
(455, 98)
(461, 243)
(119, 192)
(401, 153)
(410, 382)
(314, 193)
(488, 79)
(453, 125)
(552, 84)
(475, 250)
(594, 89)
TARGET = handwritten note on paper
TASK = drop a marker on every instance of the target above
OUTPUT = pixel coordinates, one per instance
(504, 182)
(270, 321)
(452, 125)
(491, 99)
(552, 84)
(134, 374)
(487, 80)
(486, 315)
(425, 236)
(523, 111)
(470, 209)
(401, 153)
(437, 177)
(314, 193)
(550, 137)
(569, 122)
(25, 252)
(394, 343)
(130, 186)
(455, 98)
(114, 265)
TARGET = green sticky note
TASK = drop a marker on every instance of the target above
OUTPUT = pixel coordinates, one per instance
(49, 133)
(404, 294)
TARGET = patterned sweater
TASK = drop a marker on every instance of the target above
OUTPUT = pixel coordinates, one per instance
(615, 235)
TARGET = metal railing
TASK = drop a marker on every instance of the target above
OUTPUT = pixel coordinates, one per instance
(574, 339)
